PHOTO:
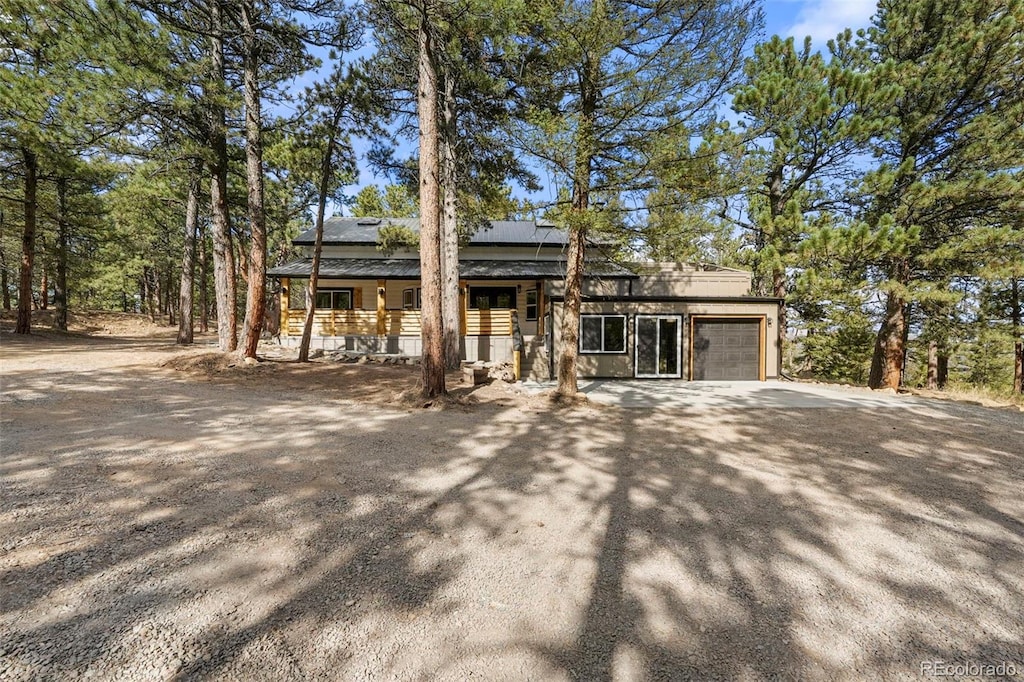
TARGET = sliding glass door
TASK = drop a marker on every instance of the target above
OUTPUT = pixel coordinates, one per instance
(658, 342)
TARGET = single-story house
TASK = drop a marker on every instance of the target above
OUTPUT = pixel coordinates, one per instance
(648, 320)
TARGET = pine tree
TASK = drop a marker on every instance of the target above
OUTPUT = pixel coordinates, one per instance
(394, 202)
(335, 106)
(467, 38)
(67, 87)
(800, 128)
(603, 87)
(948, 162)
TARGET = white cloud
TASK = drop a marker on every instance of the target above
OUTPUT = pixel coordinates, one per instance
(824, 19)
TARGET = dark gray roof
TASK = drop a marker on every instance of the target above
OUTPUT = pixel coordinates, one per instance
(409, 268)
(506, 232)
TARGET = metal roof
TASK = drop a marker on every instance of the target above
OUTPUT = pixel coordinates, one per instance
(409, 268)
(506, 232)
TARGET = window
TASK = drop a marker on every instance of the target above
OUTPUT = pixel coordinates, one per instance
(531, 305)
(485, 298)
(334, 299)
(412, 299)
(602, 333)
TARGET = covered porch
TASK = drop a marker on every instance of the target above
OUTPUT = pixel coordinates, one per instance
(382, 320)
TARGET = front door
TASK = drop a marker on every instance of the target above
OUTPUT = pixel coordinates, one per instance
(657, 346)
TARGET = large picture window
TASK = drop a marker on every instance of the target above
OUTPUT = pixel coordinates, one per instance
(334, 299)
(602, 333)
(485, 298)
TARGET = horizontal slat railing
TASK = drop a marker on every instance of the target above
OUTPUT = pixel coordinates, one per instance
(494, 322)
(403, 323)
(335, 322)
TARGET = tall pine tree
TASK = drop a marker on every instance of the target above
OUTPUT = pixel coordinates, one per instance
(953, 152)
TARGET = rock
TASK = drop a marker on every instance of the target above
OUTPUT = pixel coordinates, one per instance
(251, 361)
(316, 353)
(503, 371)
(362, 360)
(887, 390)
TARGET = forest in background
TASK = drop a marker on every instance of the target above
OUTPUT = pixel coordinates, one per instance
(157, 156)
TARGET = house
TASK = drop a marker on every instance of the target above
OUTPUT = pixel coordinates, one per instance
(651, 320)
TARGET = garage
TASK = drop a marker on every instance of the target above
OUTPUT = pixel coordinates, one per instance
(726, 349)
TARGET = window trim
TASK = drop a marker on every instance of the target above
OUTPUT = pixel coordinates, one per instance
(414, 293)
(603, 316)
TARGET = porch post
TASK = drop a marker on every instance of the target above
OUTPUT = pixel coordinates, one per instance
(464, 304)
(382, 322)
(285, 284)
(540, 307)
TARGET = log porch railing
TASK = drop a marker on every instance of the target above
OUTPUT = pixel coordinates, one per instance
(494, 322)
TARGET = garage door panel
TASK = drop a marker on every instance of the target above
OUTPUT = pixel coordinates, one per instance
(726, 350)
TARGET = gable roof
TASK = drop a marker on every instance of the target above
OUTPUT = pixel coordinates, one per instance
(351, 231)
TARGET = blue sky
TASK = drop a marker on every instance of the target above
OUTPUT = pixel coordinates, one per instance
(820, 19)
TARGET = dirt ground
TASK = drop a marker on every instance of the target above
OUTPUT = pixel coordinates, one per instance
(165, 515)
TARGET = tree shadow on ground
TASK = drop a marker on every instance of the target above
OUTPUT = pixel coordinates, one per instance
(206, 530)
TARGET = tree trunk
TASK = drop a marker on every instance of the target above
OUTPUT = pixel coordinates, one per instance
(272, 319)
(933, 366)
(169, 299)
(326, 176)
(887, 361)
(888, 358)
(450, 314)
(942, 371)
(28, 243)
(431, 327)
(1018, 345)
(223, 255)
(1018, 366)
(314, 275)
(256, 291)
(318, 244)
(3, 267)
(147, 287)
(777, 207)
(204, 282)
(60, 292)
(779, 291)
(186, 312)
(568, 385)
(44, 281)
(157, 288)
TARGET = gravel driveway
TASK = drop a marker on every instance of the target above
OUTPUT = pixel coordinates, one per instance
(155, 525)
(675, 394)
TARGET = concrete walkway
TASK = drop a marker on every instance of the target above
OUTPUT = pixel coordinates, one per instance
(678, 394)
